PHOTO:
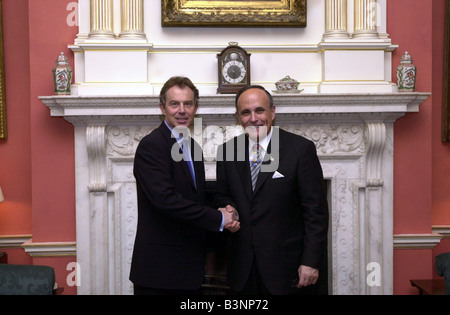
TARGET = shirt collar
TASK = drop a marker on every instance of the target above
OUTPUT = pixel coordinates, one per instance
(178, 136)
(264, 143)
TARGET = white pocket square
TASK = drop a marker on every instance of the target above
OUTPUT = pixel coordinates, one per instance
(277, 175)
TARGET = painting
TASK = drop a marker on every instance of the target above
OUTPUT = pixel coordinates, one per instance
(3, 129)
(233, 13)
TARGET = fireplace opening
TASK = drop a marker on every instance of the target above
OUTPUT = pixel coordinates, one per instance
(216, 261)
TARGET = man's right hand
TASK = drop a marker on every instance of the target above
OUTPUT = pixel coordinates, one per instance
(231, 218)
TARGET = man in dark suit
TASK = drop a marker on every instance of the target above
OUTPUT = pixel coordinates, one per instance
(284, 218)
(170, 246)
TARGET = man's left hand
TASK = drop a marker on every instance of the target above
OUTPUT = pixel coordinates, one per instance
(307, 276)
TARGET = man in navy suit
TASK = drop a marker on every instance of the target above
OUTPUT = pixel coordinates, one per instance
(284, 214)
(170, 246)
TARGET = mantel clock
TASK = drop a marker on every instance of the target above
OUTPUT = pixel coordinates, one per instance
(234, 69)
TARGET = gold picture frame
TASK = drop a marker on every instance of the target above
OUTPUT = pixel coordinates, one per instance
(3, 126)
(233, 13)
(446, 96)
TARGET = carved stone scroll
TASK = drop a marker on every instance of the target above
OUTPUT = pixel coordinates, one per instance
(96, 149)
(375, 142)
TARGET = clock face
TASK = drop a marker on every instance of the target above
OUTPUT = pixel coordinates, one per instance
(234, 71)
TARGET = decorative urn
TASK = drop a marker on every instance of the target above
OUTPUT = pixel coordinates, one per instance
(62, 75)
(287, 84)
(406, 74)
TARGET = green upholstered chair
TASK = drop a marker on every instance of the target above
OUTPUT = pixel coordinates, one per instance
(443, 269)
(26, 280)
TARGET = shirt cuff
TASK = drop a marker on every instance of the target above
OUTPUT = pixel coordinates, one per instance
(222, 224)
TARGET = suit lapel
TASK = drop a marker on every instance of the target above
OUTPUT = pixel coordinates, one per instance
(243, 167)
(184, 165)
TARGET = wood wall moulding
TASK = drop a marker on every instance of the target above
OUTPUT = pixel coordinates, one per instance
(443, 230)
(38, 249)
(49, 249)
(13, 241)
(416, 241)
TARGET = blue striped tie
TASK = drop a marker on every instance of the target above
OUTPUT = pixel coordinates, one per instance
(255, 164)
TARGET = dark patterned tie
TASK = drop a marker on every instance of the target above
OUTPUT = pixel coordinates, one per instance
(255, 164)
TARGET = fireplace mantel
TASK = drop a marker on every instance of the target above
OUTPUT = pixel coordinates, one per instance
(394, 105)
(354, 138)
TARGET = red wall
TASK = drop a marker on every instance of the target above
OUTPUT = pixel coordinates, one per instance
(37, 160)
(15, 153)
(412, 146)
(52, 141)
(422, 161)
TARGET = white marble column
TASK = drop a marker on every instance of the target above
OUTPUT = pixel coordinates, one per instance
(336, 19)
(366, 18)
(132, 21)
(101, 19)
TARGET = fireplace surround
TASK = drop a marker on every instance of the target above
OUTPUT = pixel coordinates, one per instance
(353, 133)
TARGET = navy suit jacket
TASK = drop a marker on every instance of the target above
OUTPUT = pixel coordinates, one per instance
(284, 222)
(170, 245)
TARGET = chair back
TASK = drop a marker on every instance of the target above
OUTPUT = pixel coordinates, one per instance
(443, 269)
(26, 280)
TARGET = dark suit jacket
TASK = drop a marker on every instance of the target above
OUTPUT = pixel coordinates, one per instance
(169, 250)
(284, 222)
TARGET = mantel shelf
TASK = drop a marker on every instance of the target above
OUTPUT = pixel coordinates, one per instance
(398, 103)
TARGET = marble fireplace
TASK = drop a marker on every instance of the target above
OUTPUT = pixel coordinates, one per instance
(343, 59)
(353, 134)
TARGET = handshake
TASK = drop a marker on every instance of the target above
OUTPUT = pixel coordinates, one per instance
(231, 218)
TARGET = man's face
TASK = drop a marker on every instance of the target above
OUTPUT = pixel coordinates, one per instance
(180, 107)
(254, 112)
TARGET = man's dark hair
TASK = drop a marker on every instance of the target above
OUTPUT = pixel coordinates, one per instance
(180, 82)
(245, 88)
